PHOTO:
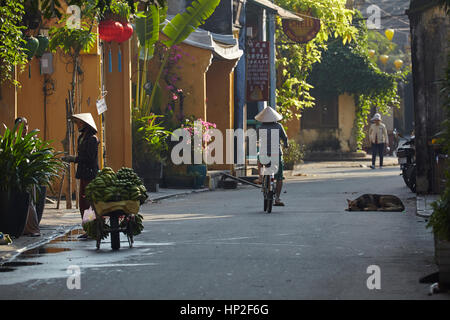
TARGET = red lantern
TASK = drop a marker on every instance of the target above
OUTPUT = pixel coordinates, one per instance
(126, 33)
(109, 30)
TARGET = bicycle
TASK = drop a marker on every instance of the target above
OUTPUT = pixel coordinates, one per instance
(268, 188)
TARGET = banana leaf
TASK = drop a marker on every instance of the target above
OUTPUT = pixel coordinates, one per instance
(183, 24)
(147, 29)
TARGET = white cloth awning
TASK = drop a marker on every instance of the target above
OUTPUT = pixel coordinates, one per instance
(283, 13)
(223, 46)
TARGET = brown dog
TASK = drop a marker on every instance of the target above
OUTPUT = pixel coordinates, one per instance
(375, 202)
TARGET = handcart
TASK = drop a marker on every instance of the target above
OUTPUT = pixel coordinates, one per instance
(122, 215)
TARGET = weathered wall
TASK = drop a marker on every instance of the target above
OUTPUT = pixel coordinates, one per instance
(430, 29)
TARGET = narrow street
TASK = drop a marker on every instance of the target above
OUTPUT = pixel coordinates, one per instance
(221, 245)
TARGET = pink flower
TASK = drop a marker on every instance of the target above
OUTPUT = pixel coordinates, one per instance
(174, 97)
(169, 87)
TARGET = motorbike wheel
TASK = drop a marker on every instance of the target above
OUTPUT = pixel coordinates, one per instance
(411, 173)
(405, 175)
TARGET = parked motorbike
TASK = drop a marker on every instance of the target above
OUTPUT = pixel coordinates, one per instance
(406, 155)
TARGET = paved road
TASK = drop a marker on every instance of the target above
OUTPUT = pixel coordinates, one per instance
(220, 245)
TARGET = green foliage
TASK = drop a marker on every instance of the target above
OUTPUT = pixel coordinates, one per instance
(148, 26)
(150, 140)
(72, 41)
(121, 9)
(11, 42)
(347, 68)
(26, 161)
(293, 155)
(440, 219)
(295, 61)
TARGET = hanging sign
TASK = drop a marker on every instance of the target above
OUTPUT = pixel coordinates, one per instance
(258, 71)
(101, 106)
(302, 31)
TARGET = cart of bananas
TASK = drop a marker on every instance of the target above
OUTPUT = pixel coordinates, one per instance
(109, 186)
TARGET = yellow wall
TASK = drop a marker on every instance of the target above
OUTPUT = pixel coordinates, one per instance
(118, 116)
(220, 100)
(192, 73)
(347, 110)
(343, 133)
(29, 102)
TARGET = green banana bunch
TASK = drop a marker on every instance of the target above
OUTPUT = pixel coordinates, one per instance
(109, 186)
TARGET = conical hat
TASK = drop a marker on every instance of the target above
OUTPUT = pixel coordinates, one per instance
(268, 115)
(86, 118)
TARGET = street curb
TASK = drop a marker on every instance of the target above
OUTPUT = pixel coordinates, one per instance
(52, 236)
(13, 254)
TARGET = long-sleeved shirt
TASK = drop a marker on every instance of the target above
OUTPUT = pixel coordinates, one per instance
(269, 126)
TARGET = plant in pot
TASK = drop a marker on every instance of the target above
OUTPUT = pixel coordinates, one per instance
(197, 171)
(25, 162)
(293, 155)
(150, 148)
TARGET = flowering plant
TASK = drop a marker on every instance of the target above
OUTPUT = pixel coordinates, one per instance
(198, 131)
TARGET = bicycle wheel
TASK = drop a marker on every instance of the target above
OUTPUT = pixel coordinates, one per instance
(266, 186)
(115, 235)
(269, 202)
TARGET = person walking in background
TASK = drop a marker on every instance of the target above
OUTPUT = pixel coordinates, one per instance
(32, 225)
(379, 138)
(86, 158)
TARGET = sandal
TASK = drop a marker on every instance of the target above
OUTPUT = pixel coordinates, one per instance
(278, 203)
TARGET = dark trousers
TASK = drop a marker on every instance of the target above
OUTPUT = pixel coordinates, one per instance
(377, 148)
(84, 203)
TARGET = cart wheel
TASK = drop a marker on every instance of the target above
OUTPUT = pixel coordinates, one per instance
(115, 234)
(99, 233)
(130, 232)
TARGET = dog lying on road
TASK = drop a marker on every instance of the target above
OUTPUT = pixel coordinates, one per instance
(375, 202)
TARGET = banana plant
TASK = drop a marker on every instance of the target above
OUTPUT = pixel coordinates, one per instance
(148, 26)
(181, 26)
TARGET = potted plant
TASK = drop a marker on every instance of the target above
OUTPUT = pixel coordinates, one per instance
(293, 154)
(196, 171)
(150, 148)
(25, 162)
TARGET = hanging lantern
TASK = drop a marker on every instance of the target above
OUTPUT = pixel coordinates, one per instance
(389, 34)
(127, 32)
(108, 30)
(43, 45)
(398, 64)
(371, 53)
(31, 46)
(384, 59)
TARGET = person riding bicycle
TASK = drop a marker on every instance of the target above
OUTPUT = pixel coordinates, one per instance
(269, 118)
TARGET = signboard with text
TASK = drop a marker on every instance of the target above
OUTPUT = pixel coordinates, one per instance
(302, 31)
(258, 70)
